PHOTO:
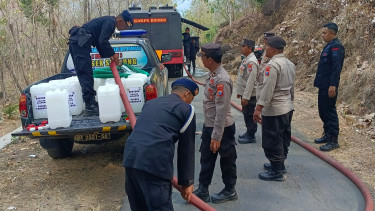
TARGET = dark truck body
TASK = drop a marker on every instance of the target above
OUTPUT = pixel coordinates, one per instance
(59, 142)
(164, 27)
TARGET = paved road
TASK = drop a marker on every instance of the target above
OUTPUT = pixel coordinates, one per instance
(311, 183)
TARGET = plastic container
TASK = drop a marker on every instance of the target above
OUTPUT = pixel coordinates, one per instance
(139, 75)
(109, 103)
(75, 93)
(97, 83)
(38, 99)
(58, 108)
(134, 91)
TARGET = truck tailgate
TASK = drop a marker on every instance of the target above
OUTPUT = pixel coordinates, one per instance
(81, 125)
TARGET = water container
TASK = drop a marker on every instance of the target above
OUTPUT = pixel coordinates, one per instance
(139, 75)
(38, 99)
(109, 103)
(97, 83)
(58, 108)
(134, 91)
(75, 93)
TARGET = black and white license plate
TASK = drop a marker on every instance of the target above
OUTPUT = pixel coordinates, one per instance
(92, 136)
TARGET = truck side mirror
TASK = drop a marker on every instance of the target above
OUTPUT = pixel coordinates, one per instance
(166, 57)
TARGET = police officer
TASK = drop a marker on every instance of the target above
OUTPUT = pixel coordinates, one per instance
(262, 66)
(95, 33)
(274, 109)
(149, 150)
(193, 52)
(218, 129)
(246, 90)
(187, 44)
(327, 79)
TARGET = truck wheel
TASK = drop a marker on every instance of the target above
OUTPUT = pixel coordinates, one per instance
(57, 148)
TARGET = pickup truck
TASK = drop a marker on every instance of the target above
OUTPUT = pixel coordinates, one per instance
(59, 142)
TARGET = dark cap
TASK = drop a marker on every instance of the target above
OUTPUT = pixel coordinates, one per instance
(269, 34)
(276, 42)
(250, 43)
(127, 17)
(210, 50)
(188, 84)
(332, 26)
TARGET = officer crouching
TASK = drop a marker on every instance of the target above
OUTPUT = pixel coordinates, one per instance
(149, 150)
(274, 109)
(218, 129)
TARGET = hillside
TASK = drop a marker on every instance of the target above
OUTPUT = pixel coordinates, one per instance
(299, 23)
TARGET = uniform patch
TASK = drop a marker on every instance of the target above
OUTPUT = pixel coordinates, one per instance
(220, 90)
(212, 81)
(249, 67)
(211, 96)
(210, 90)
(335, 49)
(324, 54)
(267, 72)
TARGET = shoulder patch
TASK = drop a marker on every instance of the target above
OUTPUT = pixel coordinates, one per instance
(249, 67)
(335, 49)
(267, 72)
(220, 90)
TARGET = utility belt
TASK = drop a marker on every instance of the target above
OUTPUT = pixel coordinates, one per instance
(79, 35)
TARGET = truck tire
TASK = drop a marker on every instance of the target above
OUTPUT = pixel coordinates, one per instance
(57, 148)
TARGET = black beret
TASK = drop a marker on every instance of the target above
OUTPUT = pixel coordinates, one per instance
(127, 17)
(332, 26)
(210, 50)
(247, 42)
(269, 34)
(276, 42)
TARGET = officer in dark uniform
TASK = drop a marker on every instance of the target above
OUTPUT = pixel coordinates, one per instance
(95, 33)
(193, 52)
(149, 150)
(187, 44)
(218, 129)
(327, 79)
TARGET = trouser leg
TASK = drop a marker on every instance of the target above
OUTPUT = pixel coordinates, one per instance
(248, 111)
(82, 65)
(228, 156)
(328, 113)
(276, 137)
(208, 158)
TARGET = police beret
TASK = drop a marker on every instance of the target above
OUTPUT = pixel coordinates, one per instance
(247, 42)
(332, 26)
(269, 34)
(127, 17)
(276, 42)
(188, 84)
(210, 50)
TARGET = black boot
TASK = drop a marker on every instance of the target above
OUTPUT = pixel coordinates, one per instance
(91, 108)
(331, 144)
(224, 196)
(243, 135)
(268, 167)
(247, 139)
(272, 176)
(321, 140)
(202, 193)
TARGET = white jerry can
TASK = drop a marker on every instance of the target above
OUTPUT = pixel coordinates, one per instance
(58, 108)
(109, 103)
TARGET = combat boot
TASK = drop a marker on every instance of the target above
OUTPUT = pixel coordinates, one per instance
(243, 135)
(224, 196)
(272, 176)
(91, 108)
(247, 139)
(331, 144)
(202, 193)
(268, 167)
(321, 140)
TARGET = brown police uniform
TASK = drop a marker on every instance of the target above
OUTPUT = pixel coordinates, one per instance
(246, 87)
(276, 96)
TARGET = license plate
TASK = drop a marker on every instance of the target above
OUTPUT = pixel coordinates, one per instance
(92, 137)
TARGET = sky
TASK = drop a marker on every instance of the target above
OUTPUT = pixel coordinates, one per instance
(183, 5)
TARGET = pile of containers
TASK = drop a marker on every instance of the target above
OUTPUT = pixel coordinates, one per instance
(58, 100)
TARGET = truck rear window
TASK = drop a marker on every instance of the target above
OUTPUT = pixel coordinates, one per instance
(131, 54)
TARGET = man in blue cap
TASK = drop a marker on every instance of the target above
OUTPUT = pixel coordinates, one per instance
(96, 33)
(149, 150)
(327, 79)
